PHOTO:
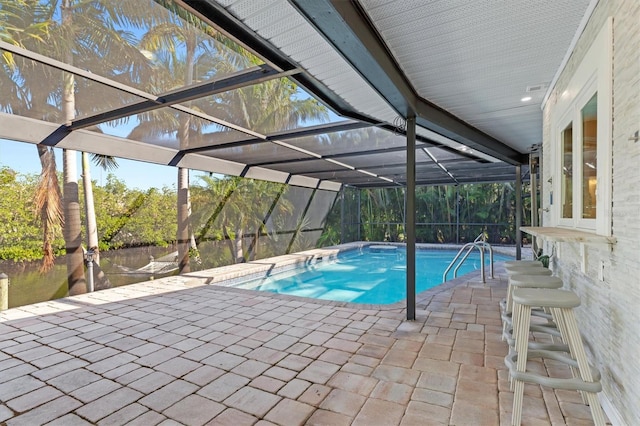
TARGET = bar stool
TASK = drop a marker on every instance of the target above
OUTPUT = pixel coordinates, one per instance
(523, 262)
(521, 269)
(529, 281)
(561, 304)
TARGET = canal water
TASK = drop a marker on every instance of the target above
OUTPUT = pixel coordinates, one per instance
(28, 285)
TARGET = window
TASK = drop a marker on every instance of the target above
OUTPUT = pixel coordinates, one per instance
(567, 172)
(582, 138)
(578, 152)
(589, 157)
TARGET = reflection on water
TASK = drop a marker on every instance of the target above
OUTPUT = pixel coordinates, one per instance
(28, 285)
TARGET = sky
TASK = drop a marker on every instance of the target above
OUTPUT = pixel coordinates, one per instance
(23, 158)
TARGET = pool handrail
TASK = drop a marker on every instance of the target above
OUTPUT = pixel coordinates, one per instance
(481, 246)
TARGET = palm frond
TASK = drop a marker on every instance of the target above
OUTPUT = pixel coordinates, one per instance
(106, 162)
(48, 202)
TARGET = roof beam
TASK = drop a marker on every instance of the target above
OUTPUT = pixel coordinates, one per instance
(318, 130)
(348, 29)
(274, 137)
(379, 170)
(59, 134)
(217, 16)
(339, 126)
(251, 76)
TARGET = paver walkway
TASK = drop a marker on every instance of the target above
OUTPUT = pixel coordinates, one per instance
(177, 351)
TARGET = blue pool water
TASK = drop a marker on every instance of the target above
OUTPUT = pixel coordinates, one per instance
(367, 276)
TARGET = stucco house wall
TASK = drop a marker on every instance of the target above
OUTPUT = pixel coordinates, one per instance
(609, 282)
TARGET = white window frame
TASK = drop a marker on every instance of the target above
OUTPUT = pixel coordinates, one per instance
(568, 118)
(593, 75)
(582, 223)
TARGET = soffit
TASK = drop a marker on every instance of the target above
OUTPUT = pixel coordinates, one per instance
(478, 59)
(475, 60)
(280, 24)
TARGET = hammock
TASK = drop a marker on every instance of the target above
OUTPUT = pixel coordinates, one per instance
(162, 265)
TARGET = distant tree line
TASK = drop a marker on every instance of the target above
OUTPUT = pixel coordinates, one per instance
(233, 219)
(126, 217)
(444, 214)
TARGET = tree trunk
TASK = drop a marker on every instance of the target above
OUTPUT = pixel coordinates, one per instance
(193, 245)
(229, 242)
(183, 236)
(239, 255)
(72, 226)
(89, 208)
(71, 204)
(99, 277)
(253, 248)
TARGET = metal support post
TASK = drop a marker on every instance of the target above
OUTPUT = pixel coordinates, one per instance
(518, 212)
(359, 214)
(457, 215)
(342, 215)
(411, 217)
(404, 211)
(533, 188)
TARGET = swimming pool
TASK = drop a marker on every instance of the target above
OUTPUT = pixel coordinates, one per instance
(366, 275)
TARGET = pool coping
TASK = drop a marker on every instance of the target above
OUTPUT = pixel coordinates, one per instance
(227, 277)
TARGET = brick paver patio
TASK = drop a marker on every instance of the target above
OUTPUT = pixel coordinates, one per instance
(179, 351)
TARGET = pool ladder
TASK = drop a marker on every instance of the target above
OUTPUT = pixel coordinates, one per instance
(481, 245)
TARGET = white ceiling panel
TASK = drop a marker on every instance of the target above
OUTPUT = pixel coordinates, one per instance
(476, 59)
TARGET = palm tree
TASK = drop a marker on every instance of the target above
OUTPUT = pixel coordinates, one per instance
(70, 201)
(107, 163)
(234, 208)
(94, 38)
(201, 44)
(267, 107)
(24, 92)
(164, 36)
(85, 34)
